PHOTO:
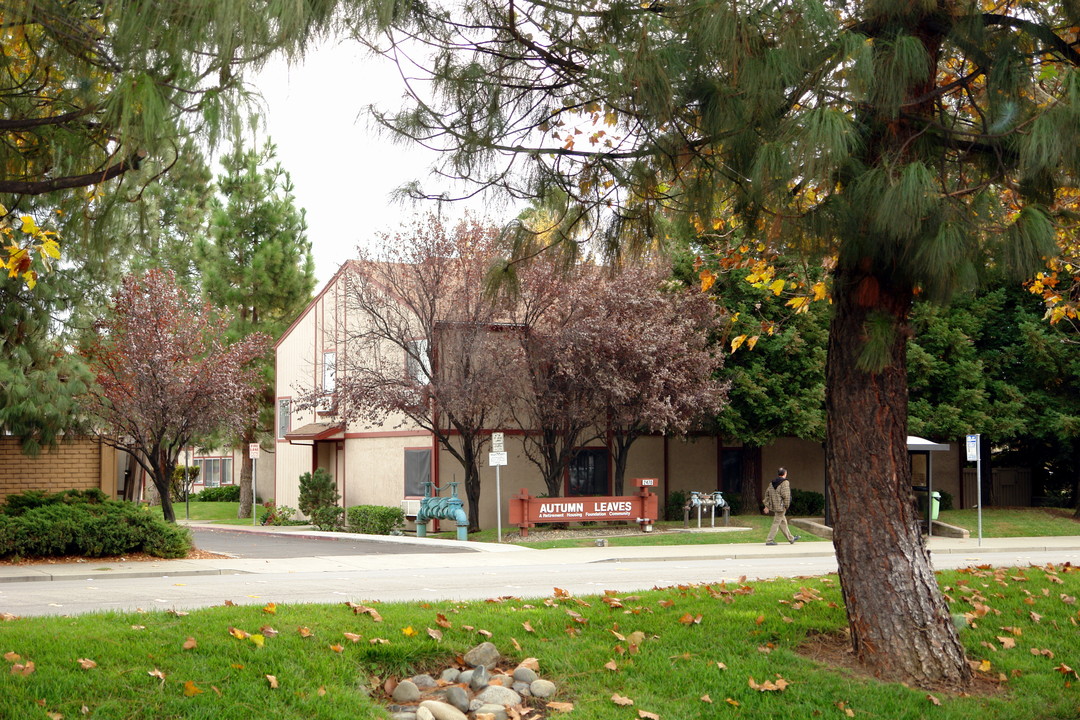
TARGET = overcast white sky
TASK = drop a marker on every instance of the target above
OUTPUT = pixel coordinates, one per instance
(343, 170)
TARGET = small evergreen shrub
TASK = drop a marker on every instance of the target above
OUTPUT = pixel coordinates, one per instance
(20, 503)
(673, 508)
(806, 503)
(225, 493)
(735, 502)
(328, 517)
(89, 529)
(375, 519)
(317, 490)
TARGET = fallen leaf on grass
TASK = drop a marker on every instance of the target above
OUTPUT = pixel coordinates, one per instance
(706, 698)
(528, 627)
(86, 663)
(485, 633)
(610, 665)
(190, 644)
(304, 631)
(531, 663)
(1006, 642)
(442, 622)
(177, 613)
(54, 716)
(12, 656)
(239, 634)
(721, 665)
(689, 619)
(270, 608)
(191, 690)
(729, 701)
(1046, 652)
(8, 617)
(379, 641)
(268, 631)
(365, 610)
(24, 670)
(933, 699)
(156, 673)
(434, 634)
(258, 640)
(769, 685)
(1066, 670)
(337, 648)
(408, 631)
(646, 715)
(620, 700)
(560, 706)
(847, 711)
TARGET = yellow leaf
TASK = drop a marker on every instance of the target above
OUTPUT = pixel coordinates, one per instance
(737, 342)
(238, 633)
(708, 279)
(30, 278)
(304, 631)
(408, 631)
(777, 286)
(729, 701)
(191, 690)
(752, 341)
(28, 225)
(337, 647)
(984, 666)
(259, 640)
(51, 248)
(819, 290)
(270, 608)
(799, 304)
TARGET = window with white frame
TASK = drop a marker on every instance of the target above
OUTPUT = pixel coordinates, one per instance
(214, 472)
(329, 372)
(284, 419)
(417, 364)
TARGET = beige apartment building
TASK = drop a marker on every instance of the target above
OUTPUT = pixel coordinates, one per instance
(387, 464)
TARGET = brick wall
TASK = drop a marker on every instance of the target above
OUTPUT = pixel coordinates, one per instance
(80, 464)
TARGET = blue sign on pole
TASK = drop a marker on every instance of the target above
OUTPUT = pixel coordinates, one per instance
(972, 448)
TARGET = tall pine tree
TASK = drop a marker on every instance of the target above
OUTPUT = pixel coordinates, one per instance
(911, 142)
(257, 264)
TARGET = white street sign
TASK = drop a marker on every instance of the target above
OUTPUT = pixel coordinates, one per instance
(495, 459)
(972, 448)
(497, 442)
(253, 451)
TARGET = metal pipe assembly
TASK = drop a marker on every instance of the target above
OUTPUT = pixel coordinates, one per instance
(442, 508)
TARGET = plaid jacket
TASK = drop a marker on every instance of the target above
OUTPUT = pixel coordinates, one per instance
(778, 499)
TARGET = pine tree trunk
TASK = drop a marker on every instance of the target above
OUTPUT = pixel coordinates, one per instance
(900, 623)
(247, 496)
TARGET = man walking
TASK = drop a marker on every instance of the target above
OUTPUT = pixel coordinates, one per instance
(777, 501)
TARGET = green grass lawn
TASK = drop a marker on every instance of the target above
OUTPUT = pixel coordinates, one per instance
(211, 512)
(1015, 522)
(683, 653)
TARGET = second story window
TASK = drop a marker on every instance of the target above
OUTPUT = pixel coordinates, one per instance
(329, 372)
(417, 365)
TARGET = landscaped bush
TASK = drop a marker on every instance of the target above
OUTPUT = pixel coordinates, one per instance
(317, 490)
(328, 517)
(89, 529)
(806, 503)
(18, 504)
(673, 508)
(278, 514)
(375, 519)
(225, 493)
(190, 473)
(945, 502)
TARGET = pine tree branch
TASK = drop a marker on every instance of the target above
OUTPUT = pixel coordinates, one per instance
(40, 187)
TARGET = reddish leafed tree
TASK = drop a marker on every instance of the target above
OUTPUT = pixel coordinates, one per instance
(651, 358)
(165, 376)
(426, 343)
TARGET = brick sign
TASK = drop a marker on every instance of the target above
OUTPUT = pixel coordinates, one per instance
(526, 511)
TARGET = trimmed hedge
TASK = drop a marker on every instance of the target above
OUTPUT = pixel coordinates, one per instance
(375, 519)
(806, 503)
(53, 525)
(224, 493)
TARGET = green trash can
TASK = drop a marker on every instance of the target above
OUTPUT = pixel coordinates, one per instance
(935, 501)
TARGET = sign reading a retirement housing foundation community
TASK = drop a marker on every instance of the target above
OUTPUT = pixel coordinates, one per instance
(526, 511)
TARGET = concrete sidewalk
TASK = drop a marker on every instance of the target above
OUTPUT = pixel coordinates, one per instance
(488, 554)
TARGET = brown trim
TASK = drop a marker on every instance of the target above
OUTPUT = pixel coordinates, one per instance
(388, 433)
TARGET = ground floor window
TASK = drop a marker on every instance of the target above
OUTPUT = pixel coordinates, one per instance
(589, 472)
(214, 472)
(417, 471)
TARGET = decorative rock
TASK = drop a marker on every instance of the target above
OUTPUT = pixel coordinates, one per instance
(498, 711)
(424, 682)
(406, 692)
(403, 716)
(465, 677)
(497, 695)
(542, 688)
(480, 679)
(422, 713)
(525, 674)
(485, 654)
(522, 688)
(457, 697)
(450, 675)
(440, 711)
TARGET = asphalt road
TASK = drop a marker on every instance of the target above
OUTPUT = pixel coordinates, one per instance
(241, 544)
(476, 579)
